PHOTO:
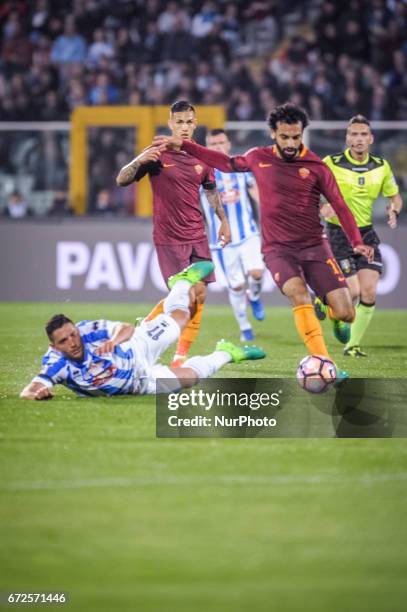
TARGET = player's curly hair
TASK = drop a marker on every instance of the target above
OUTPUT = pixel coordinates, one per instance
(287, 113)
(56, 322)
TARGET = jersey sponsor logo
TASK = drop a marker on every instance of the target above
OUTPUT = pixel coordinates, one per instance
(168, 165)
(99, 374)
(304, 173)
(198, 168)
(264, 165)
(105, 376)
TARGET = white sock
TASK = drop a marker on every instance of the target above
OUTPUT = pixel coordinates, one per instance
(178, 297)
(209, 364)
(254, 287)
(238, 302)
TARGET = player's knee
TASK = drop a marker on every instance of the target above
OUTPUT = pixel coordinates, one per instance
(298, 295)
(296, 291)
(345, 312)
(368, 295)
(187, 376)
(256, 275)
(238, 288)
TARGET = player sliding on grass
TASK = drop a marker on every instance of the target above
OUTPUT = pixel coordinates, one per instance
(178, 223)
(291, 179)
(96, 358)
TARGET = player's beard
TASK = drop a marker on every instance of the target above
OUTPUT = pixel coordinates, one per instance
(288, 156)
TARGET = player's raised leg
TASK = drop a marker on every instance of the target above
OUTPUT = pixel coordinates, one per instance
(166, 328)
(176, 306)
(190, 333)
(173, 259)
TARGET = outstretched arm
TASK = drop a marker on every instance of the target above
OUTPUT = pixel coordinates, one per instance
(36, 391)
(224, 236)
(215, 159)
(128, 173)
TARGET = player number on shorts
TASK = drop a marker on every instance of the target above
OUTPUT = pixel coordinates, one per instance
(336, 269)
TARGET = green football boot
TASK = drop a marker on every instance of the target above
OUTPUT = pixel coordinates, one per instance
(193, 273)
(354, 351)
(341, 377)
(340, 328)
(320, 309)
(341, 331)
(240, 353)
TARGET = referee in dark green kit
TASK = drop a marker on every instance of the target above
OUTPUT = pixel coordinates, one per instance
(361, 177)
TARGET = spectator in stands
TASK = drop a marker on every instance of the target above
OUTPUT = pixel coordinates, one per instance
(172, 17)
(103, 205)
(103, 91)
(204, 21)
(143, 47)
(60, 206)
(99, 48)
(17, 206)
(70, 46)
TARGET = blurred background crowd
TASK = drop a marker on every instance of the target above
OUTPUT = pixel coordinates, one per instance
(334, 58)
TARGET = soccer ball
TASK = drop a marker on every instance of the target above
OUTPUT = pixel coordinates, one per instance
(316, 373)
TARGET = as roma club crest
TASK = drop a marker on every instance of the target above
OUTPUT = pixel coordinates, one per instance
(198, 168)
(304, 172)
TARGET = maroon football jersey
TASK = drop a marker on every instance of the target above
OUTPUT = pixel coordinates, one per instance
(289, 193)
(175, 181)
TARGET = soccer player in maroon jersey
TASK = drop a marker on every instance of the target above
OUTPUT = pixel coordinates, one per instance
(178, 222)
(290, 180)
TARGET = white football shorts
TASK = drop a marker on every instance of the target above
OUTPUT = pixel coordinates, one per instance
(233, 263)
(150, 340)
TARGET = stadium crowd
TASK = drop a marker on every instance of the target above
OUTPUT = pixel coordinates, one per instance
(333, 58)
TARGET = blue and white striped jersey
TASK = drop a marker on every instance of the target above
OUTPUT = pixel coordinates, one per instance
(109, 374)
(232, 188)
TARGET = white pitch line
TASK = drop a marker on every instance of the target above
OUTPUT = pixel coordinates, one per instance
(248, 480)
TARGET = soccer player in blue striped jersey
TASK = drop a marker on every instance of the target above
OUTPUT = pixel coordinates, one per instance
(239, 262)
(107, 358)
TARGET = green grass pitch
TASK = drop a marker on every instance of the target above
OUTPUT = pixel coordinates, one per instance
(94, 505)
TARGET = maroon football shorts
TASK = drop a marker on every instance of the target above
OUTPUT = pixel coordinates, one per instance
(174, 258)
(315, 264)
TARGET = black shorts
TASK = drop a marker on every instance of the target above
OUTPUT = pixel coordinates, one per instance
(344, 255)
